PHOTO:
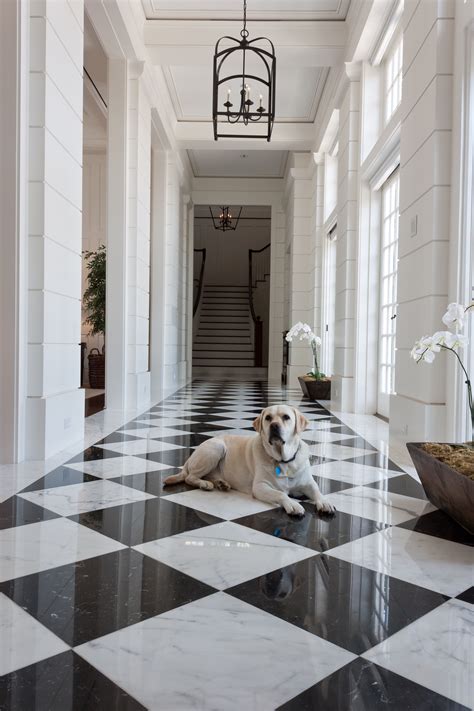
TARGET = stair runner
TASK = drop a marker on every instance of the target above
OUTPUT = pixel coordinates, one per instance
(224, 336)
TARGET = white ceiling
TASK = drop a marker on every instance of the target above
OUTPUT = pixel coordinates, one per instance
(257, 9)
(297, 95)
(239, 164)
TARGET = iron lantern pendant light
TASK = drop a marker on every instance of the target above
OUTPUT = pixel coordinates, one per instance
(246, 68)
(225, 220)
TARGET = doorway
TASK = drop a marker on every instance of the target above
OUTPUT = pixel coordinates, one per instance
(388, 267)
(94, 218)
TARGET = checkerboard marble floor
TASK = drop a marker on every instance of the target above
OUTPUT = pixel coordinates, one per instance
(118, 594)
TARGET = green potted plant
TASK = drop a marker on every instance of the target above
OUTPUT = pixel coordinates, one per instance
(446, 471)
(314, 385)
(94, 304)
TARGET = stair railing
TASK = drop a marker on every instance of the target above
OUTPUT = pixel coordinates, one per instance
(198, 282)
(259, 267)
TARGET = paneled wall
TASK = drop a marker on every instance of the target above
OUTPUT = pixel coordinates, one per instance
(55, 405)
(418, 409)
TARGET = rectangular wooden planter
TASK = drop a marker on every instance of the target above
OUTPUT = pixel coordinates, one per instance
(315, 389)
(446, 488)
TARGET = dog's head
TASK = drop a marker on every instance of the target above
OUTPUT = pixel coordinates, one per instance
(279, 425)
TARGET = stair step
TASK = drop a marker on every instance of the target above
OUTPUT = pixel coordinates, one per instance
(225, 361)
(230, 340)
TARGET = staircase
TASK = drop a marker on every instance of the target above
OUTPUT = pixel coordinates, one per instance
(223, 338)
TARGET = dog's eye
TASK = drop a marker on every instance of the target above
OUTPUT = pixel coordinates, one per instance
(268, 418)
(285, 417)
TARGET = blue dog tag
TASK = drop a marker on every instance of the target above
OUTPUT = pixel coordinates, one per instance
(277, 471)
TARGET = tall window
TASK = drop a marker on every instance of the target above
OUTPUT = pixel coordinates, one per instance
(329, 302)
(388, 292)
(393, 79)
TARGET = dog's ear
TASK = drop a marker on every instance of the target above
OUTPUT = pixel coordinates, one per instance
(301, 421)
(257, 423)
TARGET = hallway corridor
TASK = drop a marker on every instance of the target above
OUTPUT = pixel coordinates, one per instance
(127, 596)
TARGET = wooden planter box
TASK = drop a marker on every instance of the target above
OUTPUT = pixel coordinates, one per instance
(446, 488)
(315, 389)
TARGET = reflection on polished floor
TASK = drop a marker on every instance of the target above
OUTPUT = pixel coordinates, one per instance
(115, 593)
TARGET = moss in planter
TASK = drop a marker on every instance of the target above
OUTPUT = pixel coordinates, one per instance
(459, 457)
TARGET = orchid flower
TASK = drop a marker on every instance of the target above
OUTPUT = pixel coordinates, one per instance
(305, 333)
(426, 348)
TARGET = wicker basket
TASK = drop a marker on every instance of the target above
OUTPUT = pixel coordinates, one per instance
(96, 368)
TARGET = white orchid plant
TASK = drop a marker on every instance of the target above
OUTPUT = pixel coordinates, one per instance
(303, 332)
(427, 347)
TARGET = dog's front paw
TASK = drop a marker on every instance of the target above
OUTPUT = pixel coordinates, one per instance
(293, 508)
(325, 507)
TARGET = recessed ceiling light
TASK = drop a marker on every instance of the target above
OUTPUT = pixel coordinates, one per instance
(244, 155)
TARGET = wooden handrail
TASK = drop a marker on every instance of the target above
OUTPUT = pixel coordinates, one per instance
(197, 298)
(258, 330)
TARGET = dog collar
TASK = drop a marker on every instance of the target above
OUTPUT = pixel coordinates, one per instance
(278, 470)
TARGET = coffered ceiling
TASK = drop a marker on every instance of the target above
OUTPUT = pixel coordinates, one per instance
(238, 164)
(257, 9)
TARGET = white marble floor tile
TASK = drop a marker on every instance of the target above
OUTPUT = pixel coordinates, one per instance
(139, 446)
(317, 426)
(149, 432)
(238, 414)
(237, 423)
(112, 467)
(224, 504)
(166, 422)
(230, 431)
(336, 451)
(352, 473)
(215, 654)
(436, 651)
(225, 554)
(324, 436)
(379, 505)
(417, 558)
(23, 640)
(49, 544)
(89, 496)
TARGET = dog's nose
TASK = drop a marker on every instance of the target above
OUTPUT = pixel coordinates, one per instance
(274, 427)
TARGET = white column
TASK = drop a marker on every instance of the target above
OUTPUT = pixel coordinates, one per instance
(117, 256)
(418, 408)
(158, 272)
(138, 238)
(55, 404)
(14, 26)
(347, 241)
(277, 294)
(300, 239)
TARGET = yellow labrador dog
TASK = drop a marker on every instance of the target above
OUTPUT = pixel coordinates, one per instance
(271, 466)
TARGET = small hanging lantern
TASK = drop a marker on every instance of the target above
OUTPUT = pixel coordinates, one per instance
(245, 73)
(225, 220)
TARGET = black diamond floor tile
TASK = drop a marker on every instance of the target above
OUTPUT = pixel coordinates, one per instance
(18, 512)
(62, 476)
(439, 524)
(92, 453)
(330, 486)
(346, 604)
(404, 484)
(467, 596)
(152, 482)
(144, 521)
(317, 531)
(171, 457)
(363, 686)
(94, 597)
(65, 682)
(376, 459)
(185, 440)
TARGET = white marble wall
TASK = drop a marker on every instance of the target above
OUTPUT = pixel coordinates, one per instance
(55, 405)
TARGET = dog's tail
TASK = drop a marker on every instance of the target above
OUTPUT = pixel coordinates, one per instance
(176, 478)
